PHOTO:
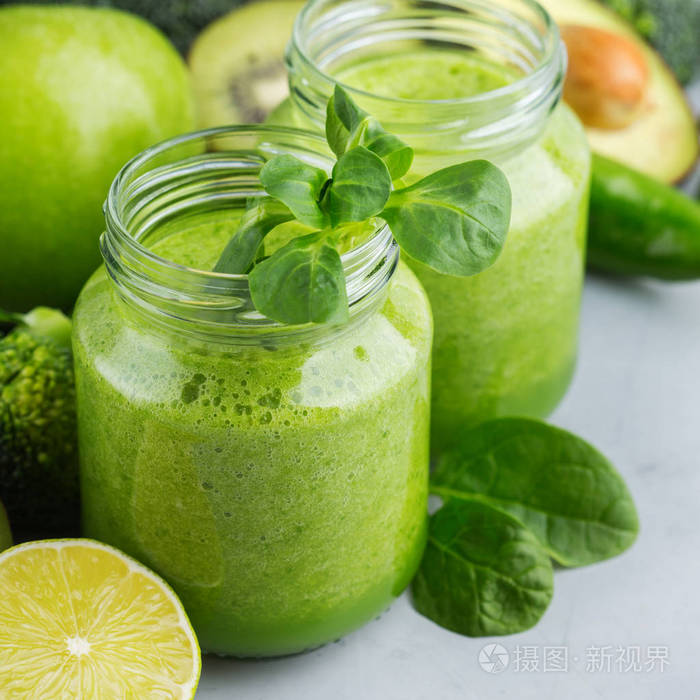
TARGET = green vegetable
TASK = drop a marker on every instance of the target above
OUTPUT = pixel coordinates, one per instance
(482, 573)
(515, 493)
(454, 220)
(639, 226)
(672, 27)
(560, 487)
(38, 445)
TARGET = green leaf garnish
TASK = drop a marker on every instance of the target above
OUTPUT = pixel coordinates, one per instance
(337, 134)
(394, 152)
(564, 490)
(454, 220)
(260, 218)
(516, 493)
(360, 187)
(301, 282)
(348, 126)
(343, 120)
(347, 111)
(281, 235)
(483, 573)
(298, 185)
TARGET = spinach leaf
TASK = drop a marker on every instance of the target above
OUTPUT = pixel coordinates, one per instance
(483, 573)
(360, 187)
(454, 220)
(556, 484)
(302, 282)
(297, 184)
(259, 219)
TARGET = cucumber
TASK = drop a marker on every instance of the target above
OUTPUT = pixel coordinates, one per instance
(640, 226)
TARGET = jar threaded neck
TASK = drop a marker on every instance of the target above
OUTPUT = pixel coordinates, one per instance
(210, 171)
(331, 34)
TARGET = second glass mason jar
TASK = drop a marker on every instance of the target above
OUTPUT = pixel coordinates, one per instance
(275, 475)
(460, 80)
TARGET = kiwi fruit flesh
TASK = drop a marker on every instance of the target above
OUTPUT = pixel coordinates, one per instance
(237, 63)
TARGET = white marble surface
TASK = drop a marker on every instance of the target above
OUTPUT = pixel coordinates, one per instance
(636, 396)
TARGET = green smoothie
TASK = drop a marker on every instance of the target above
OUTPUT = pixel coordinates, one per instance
(506, 339)
(426, 74)
(281, 490)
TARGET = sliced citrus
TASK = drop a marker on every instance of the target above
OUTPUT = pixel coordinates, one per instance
(82, 620)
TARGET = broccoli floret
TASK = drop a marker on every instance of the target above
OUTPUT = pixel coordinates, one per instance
(672, 27)
(38, 443)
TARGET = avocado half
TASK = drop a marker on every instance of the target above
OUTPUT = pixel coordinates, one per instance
(662, 142)
(237, 63)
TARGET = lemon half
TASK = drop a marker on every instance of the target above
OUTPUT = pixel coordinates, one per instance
(82, 620)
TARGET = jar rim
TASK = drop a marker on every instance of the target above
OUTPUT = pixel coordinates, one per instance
(519, 35)
(114, 216)
(218, 302)
(552, 39)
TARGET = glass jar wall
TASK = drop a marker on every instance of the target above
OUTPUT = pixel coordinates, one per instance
(460, 80)
(276, 476)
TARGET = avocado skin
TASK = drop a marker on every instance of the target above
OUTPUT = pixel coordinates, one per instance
(639, 226)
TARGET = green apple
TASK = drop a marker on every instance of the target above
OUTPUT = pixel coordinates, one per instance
(82, 90)
(5, 534)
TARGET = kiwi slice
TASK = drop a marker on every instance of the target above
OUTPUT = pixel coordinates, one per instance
(237, 63)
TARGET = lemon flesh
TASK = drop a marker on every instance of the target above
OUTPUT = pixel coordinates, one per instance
(79, 619)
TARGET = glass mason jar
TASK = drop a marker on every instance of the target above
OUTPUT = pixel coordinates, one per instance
(460, 80)
(275, 475)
